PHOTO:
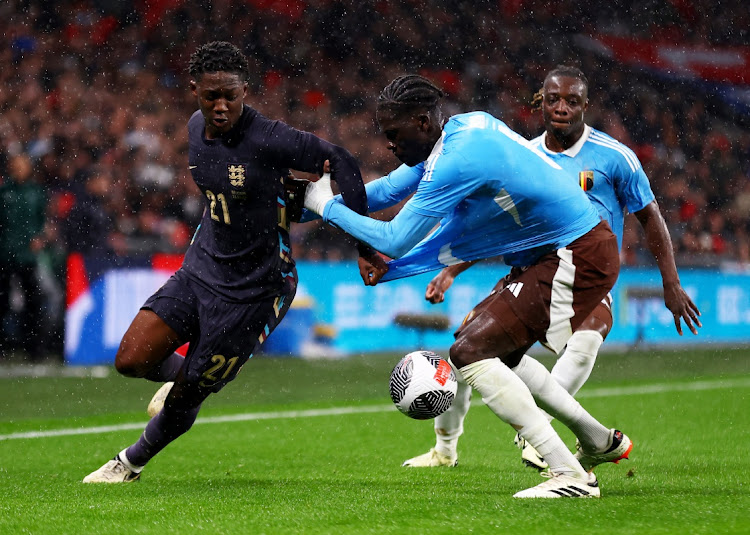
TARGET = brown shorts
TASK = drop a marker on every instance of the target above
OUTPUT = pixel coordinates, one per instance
(549, 300)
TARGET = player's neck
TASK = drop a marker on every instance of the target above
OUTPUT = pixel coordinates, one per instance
(558, 142)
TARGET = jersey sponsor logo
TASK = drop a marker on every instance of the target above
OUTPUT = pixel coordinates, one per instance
(515, 288)
(236, 175)
(586, 180)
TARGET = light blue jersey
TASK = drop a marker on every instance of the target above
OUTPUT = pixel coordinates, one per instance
(617, 181)
(492, 194)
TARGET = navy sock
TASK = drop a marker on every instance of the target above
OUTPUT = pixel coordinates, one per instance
(167, 370)
(163, 428)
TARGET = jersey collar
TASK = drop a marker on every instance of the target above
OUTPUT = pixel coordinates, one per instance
(575, 149)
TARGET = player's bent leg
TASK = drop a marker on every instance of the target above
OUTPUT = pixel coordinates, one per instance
(504, 392)
(448, 428)
(507, 396)
(145, 345)
(554, 399)
(574, 366)
(180, 410)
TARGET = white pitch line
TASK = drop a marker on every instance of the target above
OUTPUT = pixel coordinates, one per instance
(741, 382)
(208, 420)
(593, 393)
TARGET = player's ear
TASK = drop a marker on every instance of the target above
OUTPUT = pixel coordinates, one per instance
(194, 87)
(424, 121)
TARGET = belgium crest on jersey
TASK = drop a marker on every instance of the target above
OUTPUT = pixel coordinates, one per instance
(586, 180)
(236, 175)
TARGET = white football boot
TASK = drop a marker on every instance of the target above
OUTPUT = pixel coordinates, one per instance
(619, 448)
(563, 486)
(113, 471)
(529, 456)
(157, 402)
(431, 459)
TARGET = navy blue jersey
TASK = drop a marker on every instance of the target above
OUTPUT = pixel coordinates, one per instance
(241, 249)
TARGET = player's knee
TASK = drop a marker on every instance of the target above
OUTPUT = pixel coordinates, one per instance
(129, 363)
(125, 366)
(583, 347)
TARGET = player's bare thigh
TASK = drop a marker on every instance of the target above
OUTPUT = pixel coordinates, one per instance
(146, 343)
(600, 319)
(492, 334)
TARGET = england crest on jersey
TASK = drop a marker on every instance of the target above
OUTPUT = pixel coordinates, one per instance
(236, 175)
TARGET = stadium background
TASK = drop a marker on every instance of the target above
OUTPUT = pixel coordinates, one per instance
(94, 102)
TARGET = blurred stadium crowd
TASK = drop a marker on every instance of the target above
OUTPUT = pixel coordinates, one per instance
(94, 104)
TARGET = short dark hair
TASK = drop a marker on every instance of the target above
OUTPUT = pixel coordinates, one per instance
(218, 56)
(409, 93)
(561, 70)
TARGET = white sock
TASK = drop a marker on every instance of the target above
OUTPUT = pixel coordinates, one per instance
(130, 466)
(507, 396)
(554, 399)
(574, 366)
(450, 425)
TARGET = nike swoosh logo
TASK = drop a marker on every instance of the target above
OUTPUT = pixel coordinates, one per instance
(192, 166)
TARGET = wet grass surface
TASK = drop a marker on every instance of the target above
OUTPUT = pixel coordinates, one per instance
(340, 473)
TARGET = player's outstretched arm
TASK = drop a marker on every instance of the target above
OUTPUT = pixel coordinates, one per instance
(392, 238)
(660, 244)
(437, 287)
(383, 192)
(392, 188)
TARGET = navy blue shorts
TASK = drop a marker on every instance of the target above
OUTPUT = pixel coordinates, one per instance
(223, 335)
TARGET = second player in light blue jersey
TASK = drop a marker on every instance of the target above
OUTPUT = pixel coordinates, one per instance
(611, 175)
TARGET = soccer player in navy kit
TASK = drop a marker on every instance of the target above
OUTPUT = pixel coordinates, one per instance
(481, 190)
(614, 180)
(238, 278)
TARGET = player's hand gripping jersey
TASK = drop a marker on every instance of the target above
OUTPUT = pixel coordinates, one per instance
(241, 249)
(491, 192)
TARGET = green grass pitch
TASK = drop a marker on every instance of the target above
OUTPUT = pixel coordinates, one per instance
(315, 447)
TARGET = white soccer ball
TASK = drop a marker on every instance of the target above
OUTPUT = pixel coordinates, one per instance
(423, 385)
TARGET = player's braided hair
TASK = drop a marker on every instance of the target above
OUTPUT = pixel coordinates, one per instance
(561, 70)
(218, 56)
(409, 93)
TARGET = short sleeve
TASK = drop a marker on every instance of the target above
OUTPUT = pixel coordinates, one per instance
(631, 183)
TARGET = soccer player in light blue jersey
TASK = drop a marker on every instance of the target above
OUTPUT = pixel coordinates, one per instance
(614, 180)
(481, 190)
